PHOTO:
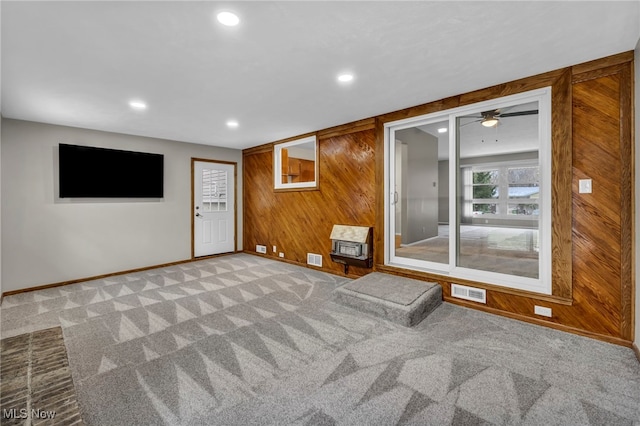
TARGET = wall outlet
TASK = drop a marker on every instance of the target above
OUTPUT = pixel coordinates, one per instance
(540, 310)
(261, 249)
(274, 249)
(281, 254)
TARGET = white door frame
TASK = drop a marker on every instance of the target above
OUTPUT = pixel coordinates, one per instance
(193, 201)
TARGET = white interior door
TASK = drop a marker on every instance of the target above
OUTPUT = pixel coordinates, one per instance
(213, 208)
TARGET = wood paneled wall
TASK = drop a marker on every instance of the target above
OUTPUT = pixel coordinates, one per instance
(300, 222)
(592, 242)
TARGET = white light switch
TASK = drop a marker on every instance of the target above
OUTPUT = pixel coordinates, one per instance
(585, 186)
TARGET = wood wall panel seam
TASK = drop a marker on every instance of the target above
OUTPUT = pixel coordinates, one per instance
(513, 87)
(598, 73)
(378, 230)
(561, 187)
(258, 149)
(345, 129)
(603, 63)
(627, 203)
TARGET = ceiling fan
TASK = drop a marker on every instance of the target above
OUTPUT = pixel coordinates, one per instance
(492, 118)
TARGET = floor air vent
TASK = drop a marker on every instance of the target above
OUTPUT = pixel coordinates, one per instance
(314, 259)
(469, 293)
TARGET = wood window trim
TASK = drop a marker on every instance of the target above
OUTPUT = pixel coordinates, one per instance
(281, 159)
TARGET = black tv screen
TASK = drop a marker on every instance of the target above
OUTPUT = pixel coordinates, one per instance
(89, 172)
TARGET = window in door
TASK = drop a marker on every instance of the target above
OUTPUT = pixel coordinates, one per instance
(214, 190)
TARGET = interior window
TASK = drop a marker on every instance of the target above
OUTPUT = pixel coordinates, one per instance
(295, 164)
(469, 192)
(214, 190)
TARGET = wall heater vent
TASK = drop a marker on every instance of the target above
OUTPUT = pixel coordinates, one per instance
(469, 293)
(314, 259)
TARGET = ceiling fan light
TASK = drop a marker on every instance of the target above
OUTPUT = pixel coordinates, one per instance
(489, 121)
(228, 18)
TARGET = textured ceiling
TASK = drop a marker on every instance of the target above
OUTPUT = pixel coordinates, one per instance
(79, 63)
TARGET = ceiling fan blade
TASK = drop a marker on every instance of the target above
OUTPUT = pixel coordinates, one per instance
(519, 113)
(471, 122)
(498, 113)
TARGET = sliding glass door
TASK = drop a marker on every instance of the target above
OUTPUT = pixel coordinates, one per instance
(469, 192)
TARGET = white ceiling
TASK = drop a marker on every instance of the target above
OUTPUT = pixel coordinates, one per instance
(79, 63)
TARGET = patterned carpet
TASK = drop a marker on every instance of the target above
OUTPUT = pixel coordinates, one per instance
(243, 339)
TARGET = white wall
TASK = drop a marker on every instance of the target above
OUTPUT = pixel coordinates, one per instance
(47, 240)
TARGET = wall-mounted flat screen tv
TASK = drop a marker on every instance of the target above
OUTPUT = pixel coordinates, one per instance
(89, 172)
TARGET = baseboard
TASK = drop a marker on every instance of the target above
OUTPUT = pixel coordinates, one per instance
(282, 259)
(524, 318)
(429, 276)
(304, 265)
(111, 274)
(636, 349)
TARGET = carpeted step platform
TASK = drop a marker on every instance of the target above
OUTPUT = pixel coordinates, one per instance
(400, 300)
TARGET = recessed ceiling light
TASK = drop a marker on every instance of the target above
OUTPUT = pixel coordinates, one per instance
(345, 78)
(138, 105)
(442, 130)
(232, 124)
(229, 19)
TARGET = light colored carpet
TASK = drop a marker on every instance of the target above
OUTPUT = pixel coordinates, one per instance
(244, 340)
